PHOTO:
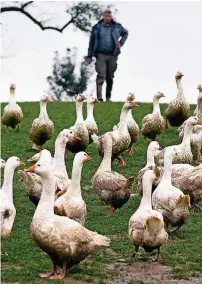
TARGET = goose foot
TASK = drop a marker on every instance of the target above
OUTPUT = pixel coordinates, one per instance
(7, 131)
(158, 258)
(48, 274)
(122, 163)
(135, 254)
(199, 208)
(18, 127)
(111, 211)
(130, 151)
(60, 275)
(36, 147)
(175, 230)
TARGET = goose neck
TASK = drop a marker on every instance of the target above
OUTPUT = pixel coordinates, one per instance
(123, 121)
(147, 189)
(79, 111)
(7, 186)
(75, 185)
(12, 97)
(43, 110)
(59, 157)
(167, 170)
(150, 158)
(106, 161)
(47, 199)
(187, 136)
(156, 107)
(180, 88)
(90, 108)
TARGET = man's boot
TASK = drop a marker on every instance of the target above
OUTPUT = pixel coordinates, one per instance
(108, 91)
(99, 92)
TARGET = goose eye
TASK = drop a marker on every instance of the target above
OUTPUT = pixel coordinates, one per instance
(38, 165)
(66, 135)
(17, 159)
(70, 132)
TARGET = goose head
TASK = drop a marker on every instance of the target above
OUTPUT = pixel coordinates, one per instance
(93, 101)
(67, 135)
(154, 147)
(34, 158)
(179, 75)
(159, 95)
(43, 167)
(191, 121)
(81, 157)
(130, 105)
(12, 87)
(199, 87)
(130, 97)
(14, 162)
(44, 98)
(80, 98)
(2, 163)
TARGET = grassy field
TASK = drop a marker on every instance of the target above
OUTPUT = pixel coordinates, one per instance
(182, 253)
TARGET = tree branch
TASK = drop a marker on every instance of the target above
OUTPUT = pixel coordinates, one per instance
(35, 21)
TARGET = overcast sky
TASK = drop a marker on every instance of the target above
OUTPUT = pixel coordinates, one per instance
(164, 37)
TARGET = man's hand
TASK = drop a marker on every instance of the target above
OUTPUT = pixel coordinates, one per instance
(118, 45)
(89, 60)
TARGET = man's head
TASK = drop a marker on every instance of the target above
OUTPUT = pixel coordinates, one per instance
(107, 16)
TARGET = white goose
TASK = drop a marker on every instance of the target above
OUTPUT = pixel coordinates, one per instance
(71, 204)
(34, 182)
(12, 113)
(90, 120)
(66, 242)
(153, 124)
(42, 127)
(120, 136)
(7, 208)
(152, 150)
(80, 128)
(146, 226)
(183, 150)
(198, 110)
(178, 109)
(169, 200)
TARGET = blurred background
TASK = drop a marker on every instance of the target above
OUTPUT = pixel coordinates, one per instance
(164, 37)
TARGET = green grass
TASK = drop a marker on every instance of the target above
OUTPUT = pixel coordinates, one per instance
(183, 252)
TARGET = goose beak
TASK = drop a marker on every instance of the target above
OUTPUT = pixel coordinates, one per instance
(47, 99)
(133, 105)
(96, 101)
(162, 95)
(76, 137)
(88, 158)
(31, 169)
(200, 122)
(199, 86)
(181, 74)
(83, 97)
(21, 164)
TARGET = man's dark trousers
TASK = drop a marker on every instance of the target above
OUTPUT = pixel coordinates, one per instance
(106, 65)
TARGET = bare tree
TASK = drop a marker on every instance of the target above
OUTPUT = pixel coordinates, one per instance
(80, 14)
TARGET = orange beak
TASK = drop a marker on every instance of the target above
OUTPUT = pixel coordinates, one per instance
(88, 158)
(12, 86)
(199, 86)
(96, 101)
(200, 122)
(76, 137)
(31, 169)
(21, 164)
(46, 98)
(162, 95)
(132, 105)
(83, 97)
(181, 74)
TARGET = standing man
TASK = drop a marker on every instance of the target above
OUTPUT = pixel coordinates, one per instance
(107, 38)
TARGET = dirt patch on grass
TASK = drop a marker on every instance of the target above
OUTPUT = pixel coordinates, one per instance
(148, 273)
(8, 265)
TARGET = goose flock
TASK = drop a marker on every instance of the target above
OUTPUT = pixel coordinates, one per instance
(168, 184)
